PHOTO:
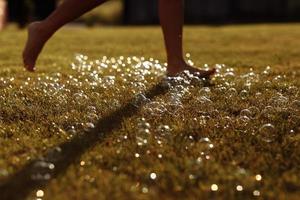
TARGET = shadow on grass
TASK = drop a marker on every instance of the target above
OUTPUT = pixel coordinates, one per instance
(38, 173)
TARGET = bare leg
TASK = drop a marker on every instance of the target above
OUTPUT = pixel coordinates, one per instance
(40, 32)
(171, 19)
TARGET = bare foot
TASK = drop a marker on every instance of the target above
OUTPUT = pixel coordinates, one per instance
(37, 37)
(197, 72)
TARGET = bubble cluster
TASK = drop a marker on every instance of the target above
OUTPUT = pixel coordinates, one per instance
(190, 126)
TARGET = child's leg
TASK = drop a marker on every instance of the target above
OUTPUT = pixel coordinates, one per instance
(40, 32)
(171, 19)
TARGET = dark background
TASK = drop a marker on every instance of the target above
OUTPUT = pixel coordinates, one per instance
(218, 11)
(196, 11)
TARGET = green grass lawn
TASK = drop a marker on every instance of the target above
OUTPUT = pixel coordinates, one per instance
(238, 138)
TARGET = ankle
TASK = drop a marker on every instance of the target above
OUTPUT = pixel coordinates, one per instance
(177, 64)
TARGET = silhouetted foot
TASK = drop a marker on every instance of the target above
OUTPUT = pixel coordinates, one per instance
(196, 72)
(37, 37)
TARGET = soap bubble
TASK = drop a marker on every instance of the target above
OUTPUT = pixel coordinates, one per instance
(244, 94)
(89, 125)
(243, 122)
(246, 113)
(163, 130)
(196, 81)
(268, 112)
(267, 71)
(238, 104)
(279, 101)
(205, 146)
(254, 111)
(293, 90)
(205, 103)
(42, 170)
(80, 97)
(141, 141)
(143, 124)
(174, 99)
(204, 100)
(267, 133)
(205, 91)
(92, 117)
(91, 110)
(140, 99)
(232, 92)
(229, 76)
(142, 136)
(155, 108)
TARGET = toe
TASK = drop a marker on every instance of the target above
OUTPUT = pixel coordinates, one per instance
(29, 67)
(205, 73)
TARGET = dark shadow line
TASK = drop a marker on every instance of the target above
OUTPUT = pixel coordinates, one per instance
(39, 172)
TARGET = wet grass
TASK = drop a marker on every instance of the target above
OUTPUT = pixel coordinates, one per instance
(239, 137)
